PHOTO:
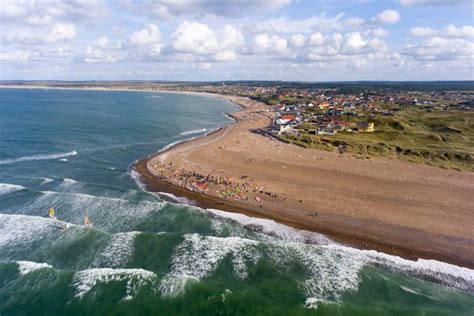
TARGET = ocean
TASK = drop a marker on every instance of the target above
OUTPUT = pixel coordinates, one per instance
(149, 254)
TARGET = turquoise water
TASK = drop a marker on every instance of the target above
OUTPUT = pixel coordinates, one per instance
(72, 150)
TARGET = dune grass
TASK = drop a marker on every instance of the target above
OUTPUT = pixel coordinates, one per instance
(439, 138)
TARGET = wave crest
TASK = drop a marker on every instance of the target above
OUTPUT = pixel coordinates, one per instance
(38, 157)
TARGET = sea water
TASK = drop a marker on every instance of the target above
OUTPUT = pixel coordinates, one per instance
(72, 150)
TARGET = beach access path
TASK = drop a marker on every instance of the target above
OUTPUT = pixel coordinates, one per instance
(402, 208)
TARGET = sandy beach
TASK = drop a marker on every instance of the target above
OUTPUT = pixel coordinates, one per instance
(411, 210)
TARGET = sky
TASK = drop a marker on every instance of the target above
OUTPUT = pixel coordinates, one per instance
(218, 40)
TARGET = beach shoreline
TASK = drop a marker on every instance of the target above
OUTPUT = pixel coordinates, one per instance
(361, 232)
(367, 230)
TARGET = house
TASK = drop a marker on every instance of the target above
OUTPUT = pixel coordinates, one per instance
(289, 116)
(323, 105)
(283, 129)
(365, 127)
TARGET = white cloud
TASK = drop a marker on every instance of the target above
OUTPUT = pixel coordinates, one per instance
(355, 41)
(61, 32)
(316, 39)
(297, 40)
(434, 2)
(354, 22)
(378, 32)
(423, 31)
(37, 54)
(450, 31)
(225, 55)
(283, 25)
(235, 8)
(30, 36)
(195, 38)
(199, 39)
(149, 35)
(203, 66)
(264, 44)
(95, 55)
(339, 47)
(230, 38)
(388, 16)
(104, 43)
(337, 38)
(102, 50)
(463, 31)
(46, 12)
(15, 56)
(437, 48)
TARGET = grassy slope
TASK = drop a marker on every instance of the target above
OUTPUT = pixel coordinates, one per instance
(440, 138)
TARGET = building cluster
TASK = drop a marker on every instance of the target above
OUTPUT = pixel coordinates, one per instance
(324, 118)
(327, 111)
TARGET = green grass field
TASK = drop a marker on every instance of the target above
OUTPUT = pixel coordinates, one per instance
(439, 138)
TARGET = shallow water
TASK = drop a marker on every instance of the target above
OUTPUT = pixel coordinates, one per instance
(72, 150)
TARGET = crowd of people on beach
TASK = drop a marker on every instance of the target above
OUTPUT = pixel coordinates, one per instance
(242, 189)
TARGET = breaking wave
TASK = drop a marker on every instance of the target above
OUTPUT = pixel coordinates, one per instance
(198, 256)
(118, 250)
(196, 131)
(84, 281)
(6, 188)
(38, 157)
(331, 269)
(25, 267)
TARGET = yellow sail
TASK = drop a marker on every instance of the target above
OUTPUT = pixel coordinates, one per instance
(51, 212)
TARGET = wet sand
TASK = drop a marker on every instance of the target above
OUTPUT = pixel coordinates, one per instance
(401, 208)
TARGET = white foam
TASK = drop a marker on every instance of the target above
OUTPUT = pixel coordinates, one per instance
(444, 273)
(22, 229)
(21, 234)
(136, 177)
(329, 272)
(184, 140)
(68, 181)
(85, 280)
(198, 256)
(116, 214)
(25, 267)
(6, 188)
(178, 199)
(118, 250)
(70, 185)
(63, 160)
(38, 157)
(196, 131)
(331, 269)
(334, 269)
(46, 180)
(273, 229)
(170, 145)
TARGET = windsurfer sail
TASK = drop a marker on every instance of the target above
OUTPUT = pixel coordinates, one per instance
(87, 221)
(51, 213)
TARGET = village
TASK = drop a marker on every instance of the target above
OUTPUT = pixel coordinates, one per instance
(300, 110)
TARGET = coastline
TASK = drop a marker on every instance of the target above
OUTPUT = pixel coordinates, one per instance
(364, 233)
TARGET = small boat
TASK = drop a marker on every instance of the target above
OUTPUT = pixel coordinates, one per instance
(51, 213)
(87, 221)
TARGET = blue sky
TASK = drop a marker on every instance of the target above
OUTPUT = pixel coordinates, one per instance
(318, 40)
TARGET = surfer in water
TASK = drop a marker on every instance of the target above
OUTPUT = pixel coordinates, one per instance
(51, 213)
(87, 221)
